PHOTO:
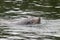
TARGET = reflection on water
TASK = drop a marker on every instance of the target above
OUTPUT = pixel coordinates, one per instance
(12, 11)
(47, 30)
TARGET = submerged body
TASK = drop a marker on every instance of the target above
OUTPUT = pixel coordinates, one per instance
(32, 20)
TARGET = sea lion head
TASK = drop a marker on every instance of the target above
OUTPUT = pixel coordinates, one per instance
(34, 20)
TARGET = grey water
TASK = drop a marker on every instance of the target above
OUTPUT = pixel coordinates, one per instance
(10, 30)
(13, 11)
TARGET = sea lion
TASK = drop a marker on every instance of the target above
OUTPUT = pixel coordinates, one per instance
(32, 20)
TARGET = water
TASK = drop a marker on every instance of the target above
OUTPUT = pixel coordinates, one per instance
(10, 30)
(13, 11)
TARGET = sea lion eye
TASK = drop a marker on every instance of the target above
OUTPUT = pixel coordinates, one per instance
(29, 22)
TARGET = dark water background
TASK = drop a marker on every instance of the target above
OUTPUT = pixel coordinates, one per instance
(12, 11)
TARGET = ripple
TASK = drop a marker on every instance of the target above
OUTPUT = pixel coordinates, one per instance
(42, 31)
